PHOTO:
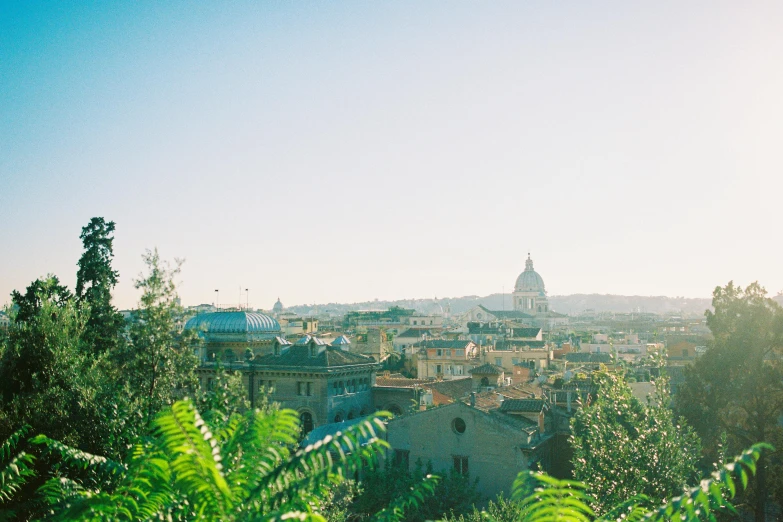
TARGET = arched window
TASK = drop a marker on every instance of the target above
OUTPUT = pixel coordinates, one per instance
(395, 410)
(306, 419)
(484, 381)
(351, 415)
(338, 417)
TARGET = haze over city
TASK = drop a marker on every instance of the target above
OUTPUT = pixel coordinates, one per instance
(349, 151)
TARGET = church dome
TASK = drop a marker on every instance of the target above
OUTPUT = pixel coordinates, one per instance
(278, 306)
(234, 323)
(529, 280)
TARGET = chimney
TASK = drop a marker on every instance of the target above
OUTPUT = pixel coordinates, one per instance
(473, 399)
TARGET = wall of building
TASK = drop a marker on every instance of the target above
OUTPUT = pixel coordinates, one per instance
(491, 447)
(508, 358)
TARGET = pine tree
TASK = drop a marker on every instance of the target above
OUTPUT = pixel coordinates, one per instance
(95, 281)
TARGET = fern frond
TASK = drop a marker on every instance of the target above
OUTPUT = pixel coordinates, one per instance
(321, 463)
(15, 464)
(259, 445)
(14, 474)
(395, 511)
(713, 494)
(194, 458)
(76, 459)
(58, 490)
(8, 449)
(632, 510)
(547, 499)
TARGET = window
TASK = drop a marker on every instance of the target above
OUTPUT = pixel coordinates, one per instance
(210, 384)
(304, 388)
(515, 360)
(335, 388)
(440, 352)
(685, 352)
(459, 370)
(498, 361)
(307, 422)
(461, 464)
(458, 425)
(414, 323)
(460, 353)
(401, 458)
(267, 386)
(438, 368)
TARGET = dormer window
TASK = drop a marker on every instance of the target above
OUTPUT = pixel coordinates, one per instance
(277, 348)
(313, 350)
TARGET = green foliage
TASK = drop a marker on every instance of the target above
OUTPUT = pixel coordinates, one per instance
(159, 363)
(500, 509)
(95, 280)
(543, 499)
(28, 305)
(623, 448)
(227, 397)
(245, 471)
(453, 493)
(248, 470)
(414, 499)
(15, 469)
(45, 379)
(736, 387)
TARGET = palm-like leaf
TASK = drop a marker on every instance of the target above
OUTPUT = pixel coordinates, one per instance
(552, 500)
(15, 465)
(707, 499)
(295, 480)
(194, 457)
(395, 511)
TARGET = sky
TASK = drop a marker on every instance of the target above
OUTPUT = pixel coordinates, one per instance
(347, 151)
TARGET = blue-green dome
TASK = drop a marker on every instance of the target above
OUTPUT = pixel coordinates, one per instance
(234, 323)
(529, 280)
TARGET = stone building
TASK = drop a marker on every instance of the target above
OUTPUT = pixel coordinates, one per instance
(324, 383)
(445, 359)
(529, 292)
(487, 376)
(487, 445)
(234, 336)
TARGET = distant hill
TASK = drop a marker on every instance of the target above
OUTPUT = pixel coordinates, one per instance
(566, 304)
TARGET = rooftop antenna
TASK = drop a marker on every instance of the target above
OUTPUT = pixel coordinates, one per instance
(217, 299)
(247, 298)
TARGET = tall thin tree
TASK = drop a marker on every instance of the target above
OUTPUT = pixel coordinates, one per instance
(95, 281)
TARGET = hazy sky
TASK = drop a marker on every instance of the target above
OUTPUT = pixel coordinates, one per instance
(344, 151)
